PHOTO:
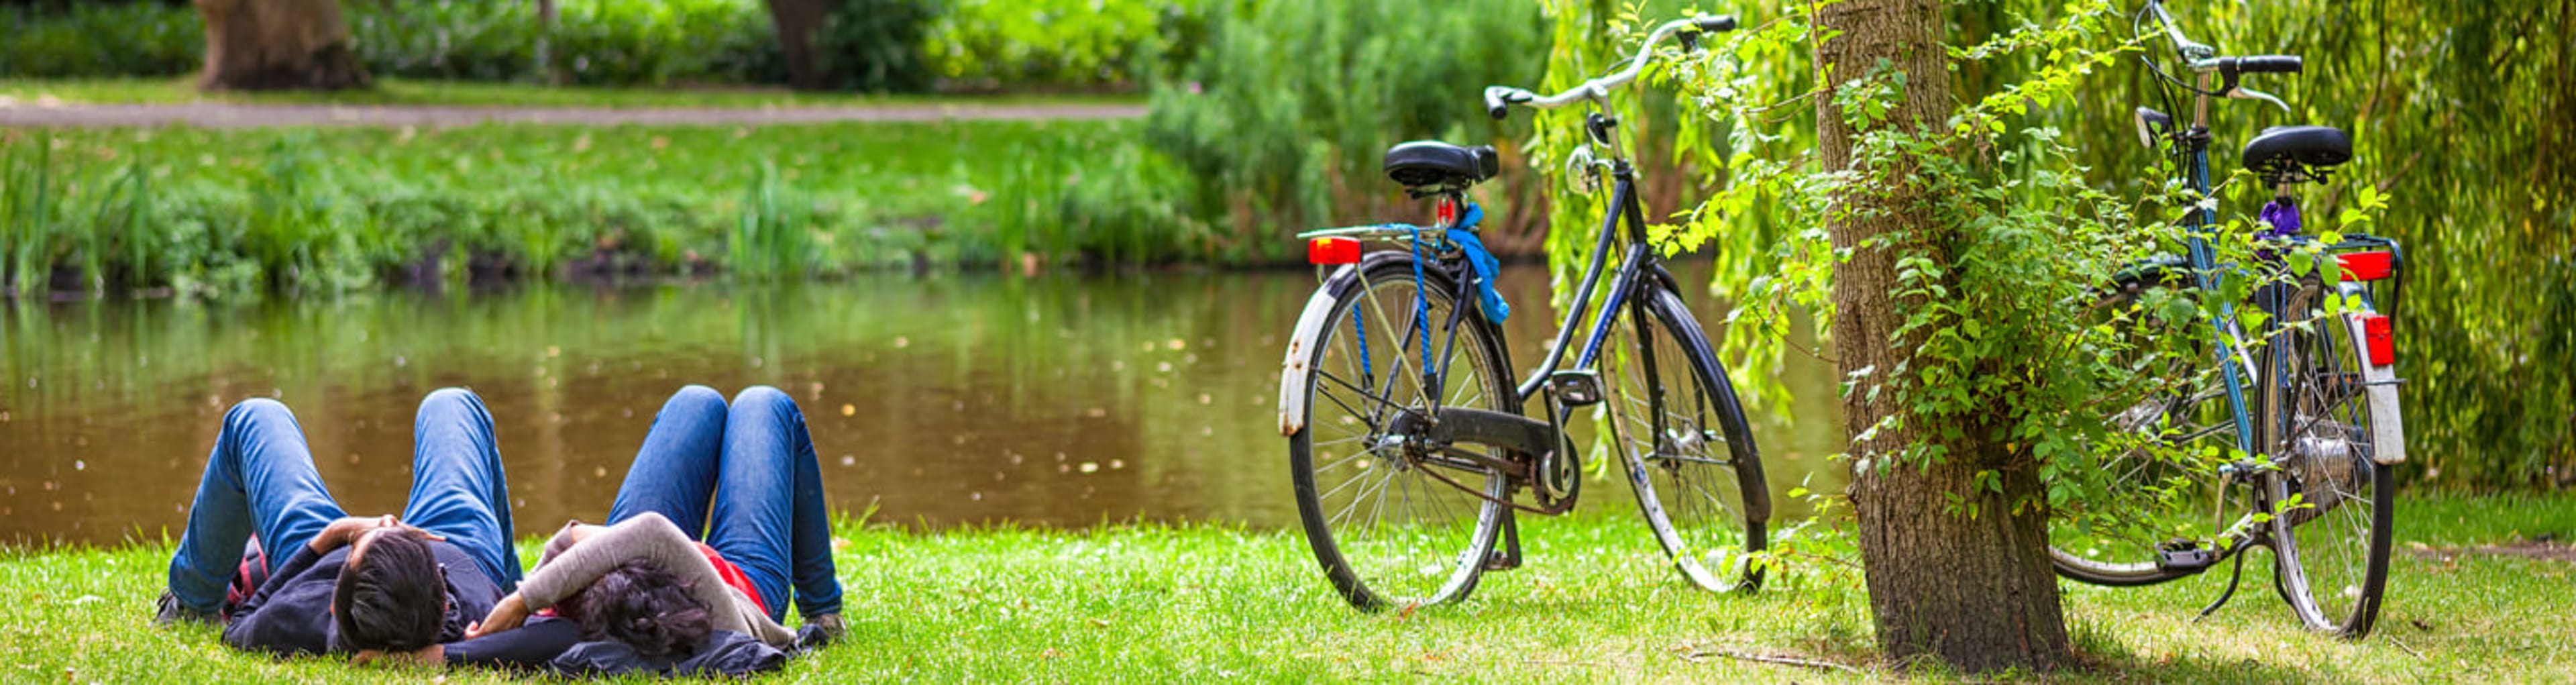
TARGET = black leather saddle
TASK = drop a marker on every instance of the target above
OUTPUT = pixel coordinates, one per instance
(1430, 166)
(2282, 148)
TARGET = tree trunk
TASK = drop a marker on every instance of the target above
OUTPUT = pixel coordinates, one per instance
(796, 21)
(1966, 582)
(277, 45)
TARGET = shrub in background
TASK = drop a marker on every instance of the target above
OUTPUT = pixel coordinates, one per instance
(1283, 117)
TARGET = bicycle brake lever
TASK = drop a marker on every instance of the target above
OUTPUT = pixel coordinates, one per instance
(2244, 93)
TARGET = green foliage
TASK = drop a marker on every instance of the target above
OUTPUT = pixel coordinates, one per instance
(986, 44)
(87, 38)
(874, 45)
(594, 42)
(245, 212)
(1285, 116)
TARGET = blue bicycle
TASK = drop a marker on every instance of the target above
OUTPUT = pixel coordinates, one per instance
(2308, 428)
(1410, 451)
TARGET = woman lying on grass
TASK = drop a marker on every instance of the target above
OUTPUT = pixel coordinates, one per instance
(643, 593)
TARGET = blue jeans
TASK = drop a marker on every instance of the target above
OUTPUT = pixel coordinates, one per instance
(260, 480)
(743, 480)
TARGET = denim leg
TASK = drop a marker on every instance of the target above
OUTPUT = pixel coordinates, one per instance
(259, 479)
(458, 489)
(769, 515)
(675, 472)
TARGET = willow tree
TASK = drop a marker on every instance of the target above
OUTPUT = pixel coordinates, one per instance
(1947, 241)
(278, 45)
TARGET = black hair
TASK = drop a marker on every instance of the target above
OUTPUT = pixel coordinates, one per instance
(643, 605)
(391, 598)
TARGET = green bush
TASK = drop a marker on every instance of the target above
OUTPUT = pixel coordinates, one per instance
(874, 45)
(984, 44)
(594, 42)
(1285, 114)
(90, 39)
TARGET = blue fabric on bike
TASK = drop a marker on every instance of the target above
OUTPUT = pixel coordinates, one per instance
(1487, 268)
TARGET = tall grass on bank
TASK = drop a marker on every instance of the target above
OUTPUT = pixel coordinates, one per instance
(335, 210)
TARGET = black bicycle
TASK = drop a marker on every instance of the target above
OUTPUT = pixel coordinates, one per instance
(1410, 449)
(2308, 425)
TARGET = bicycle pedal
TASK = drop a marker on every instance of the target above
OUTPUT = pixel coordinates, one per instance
(2184, 557)
(1576, 388)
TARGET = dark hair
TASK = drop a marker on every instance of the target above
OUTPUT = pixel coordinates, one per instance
(643, 605)
(391, 598)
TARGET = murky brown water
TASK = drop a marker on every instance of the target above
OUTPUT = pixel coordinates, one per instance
(1059, 401)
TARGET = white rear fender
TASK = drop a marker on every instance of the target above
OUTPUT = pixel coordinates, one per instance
(1301, 351)
(2387, 432)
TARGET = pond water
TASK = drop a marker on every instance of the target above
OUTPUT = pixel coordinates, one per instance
(1055, 401)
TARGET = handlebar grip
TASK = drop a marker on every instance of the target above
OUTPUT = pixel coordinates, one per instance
(2269, 64)
(1714, 23)
(1495, 106)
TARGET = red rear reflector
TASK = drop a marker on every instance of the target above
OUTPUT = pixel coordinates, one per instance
(1448, 212)
(2376, 336)
(1333, 250)
(2366, 266)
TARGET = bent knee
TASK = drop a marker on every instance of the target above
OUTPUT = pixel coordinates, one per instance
(258, 409)
(762, 398)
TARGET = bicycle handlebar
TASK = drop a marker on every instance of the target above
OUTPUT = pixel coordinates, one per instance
(1499, 99)
(2205, 59)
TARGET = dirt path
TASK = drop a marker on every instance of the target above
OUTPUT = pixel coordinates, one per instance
(219, 115)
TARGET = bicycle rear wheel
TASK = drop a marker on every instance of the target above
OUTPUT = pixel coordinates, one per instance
(2332, 547)
(1383, 523)
(1685, 446)
(2160, 489)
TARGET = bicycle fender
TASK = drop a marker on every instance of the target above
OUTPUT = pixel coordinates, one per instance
(1301, 350)
(2387, 433)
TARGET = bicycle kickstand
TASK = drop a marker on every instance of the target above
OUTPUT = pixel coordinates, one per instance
(2235, 575)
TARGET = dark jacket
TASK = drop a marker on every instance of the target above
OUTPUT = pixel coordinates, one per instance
(291, 613)
(554, 645)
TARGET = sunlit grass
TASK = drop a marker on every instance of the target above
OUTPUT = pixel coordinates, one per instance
(125, 91)
(1595, 603)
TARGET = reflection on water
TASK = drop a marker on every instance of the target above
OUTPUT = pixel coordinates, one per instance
(1064, 401)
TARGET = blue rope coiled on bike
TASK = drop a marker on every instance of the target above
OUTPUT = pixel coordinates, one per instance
(1479, 260)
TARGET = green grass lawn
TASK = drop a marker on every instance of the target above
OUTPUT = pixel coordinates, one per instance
(401, 92)
(1596, 603)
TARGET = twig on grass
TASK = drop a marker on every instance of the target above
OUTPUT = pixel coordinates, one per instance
(2392, 639)
(1696, 655)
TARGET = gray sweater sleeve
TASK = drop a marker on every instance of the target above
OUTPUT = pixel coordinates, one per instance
(650, 537)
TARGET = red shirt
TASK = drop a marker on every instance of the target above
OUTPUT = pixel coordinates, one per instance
(733, 576)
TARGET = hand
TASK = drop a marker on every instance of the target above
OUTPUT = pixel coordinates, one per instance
(506, 614)
(433, 655)
(347, 529)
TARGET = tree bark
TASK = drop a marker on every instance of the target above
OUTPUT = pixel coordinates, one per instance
(1973, 590)
(796, 22)
(278, 45)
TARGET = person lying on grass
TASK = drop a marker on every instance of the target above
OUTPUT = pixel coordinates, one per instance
(644, 594)
(368, 586)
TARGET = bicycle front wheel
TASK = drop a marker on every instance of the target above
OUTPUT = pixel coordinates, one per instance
(2332, 542)
(1683, 440)
(1392, 521)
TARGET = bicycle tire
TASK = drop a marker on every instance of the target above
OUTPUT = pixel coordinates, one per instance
(1436, 552)
(1698, 481)
(2331, 553)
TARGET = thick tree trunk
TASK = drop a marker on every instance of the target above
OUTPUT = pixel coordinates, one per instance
(1975, 590)
(796, 21)
(277, 45)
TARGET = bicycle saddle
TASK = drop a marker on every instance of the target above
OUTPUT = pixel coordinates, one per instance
(1427, 166)
(2314, 146)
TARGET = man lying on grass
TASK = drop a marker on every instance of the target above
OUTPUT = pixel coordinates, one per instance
(369, 587)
